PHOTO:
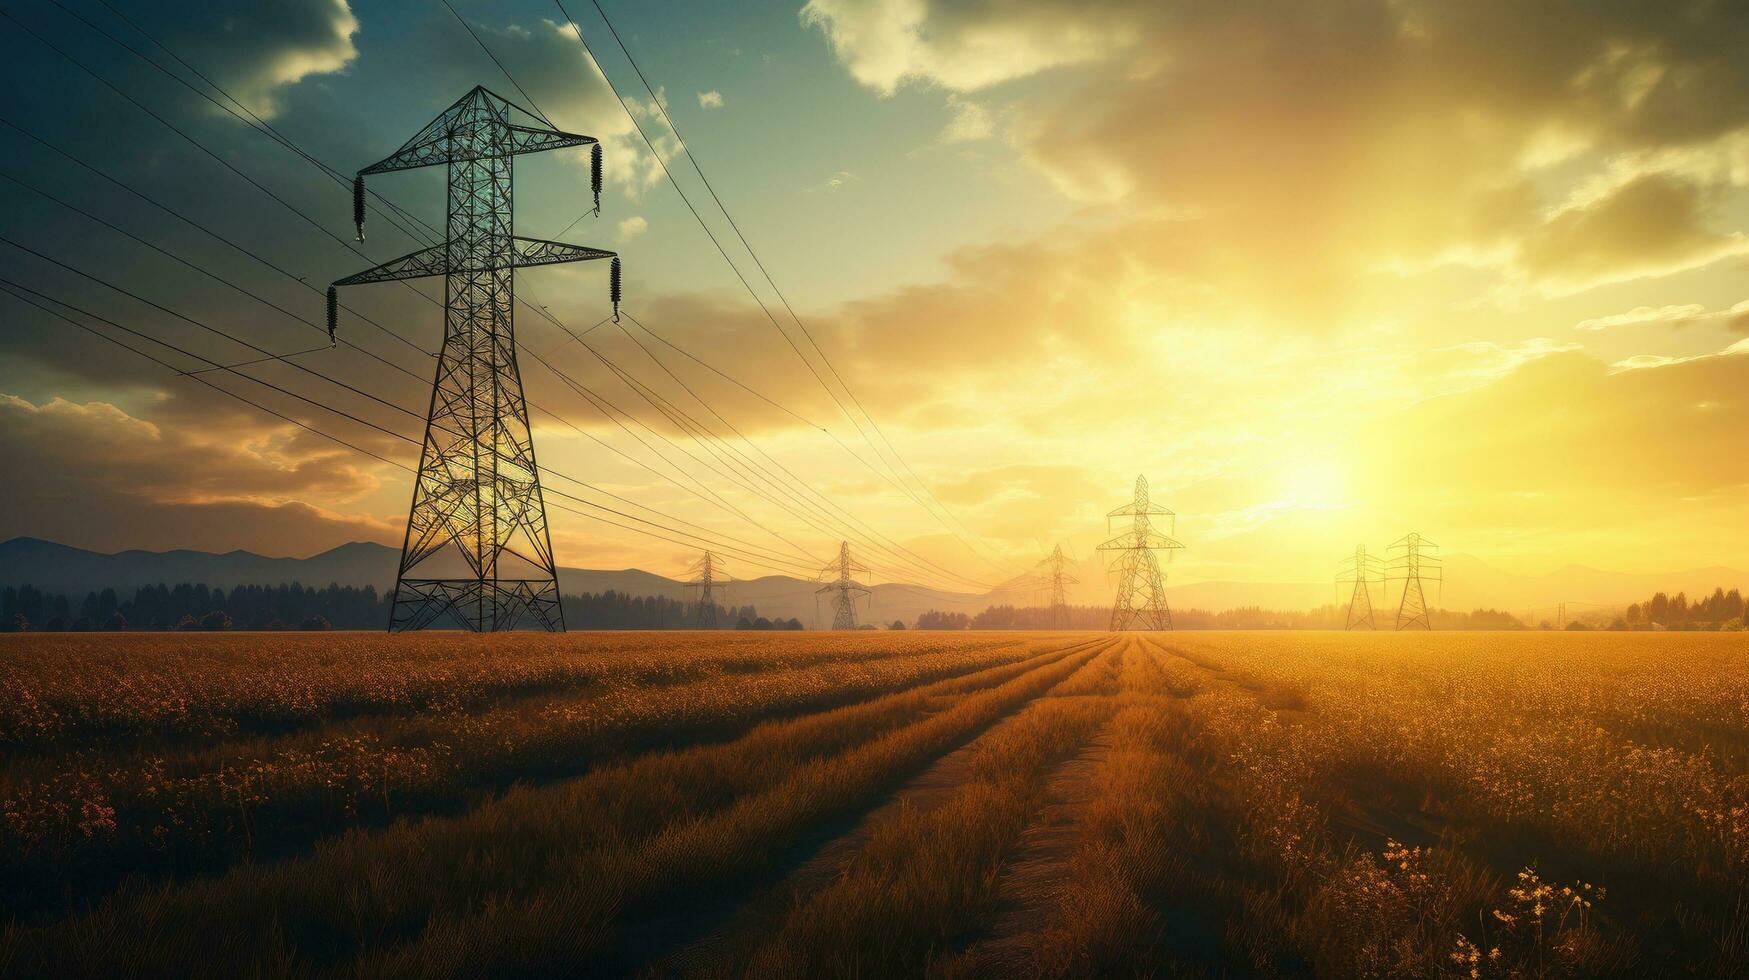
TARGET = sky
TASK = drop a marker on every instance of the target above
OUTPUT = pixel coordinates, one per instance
(1324, 272)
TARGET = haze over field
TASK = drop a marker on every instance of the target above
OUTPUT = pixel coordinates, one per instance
(1471, 583)
(1327, 272)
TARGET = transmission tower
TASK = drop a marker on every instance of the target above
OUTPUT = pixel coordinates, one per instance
(1362, 570)
(843, 587)
(1058, 616)
(477, 551)
(1414, 559)
(1141, 589)
(705, 580)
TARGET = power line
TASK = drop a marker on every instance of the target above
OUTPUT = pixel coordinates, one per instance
(203, 229)
(301, 281)
(394, 213)
(215, 365)
(637, 387)
(736, 270)
(207, 327)
(810, 514)
(796, 480)
(512, 78)
(686, 149)
(14, 288)
(267, 129)
(305, 283)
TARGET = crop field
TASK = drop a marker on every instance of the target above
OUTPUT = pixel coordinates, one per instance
(874, 804)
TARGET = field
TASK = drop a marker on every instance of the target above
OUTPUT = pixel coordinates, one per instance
(875, 804)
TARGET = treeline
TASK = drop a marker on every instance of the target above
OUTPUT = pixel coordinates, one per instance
(296, 606)
(612, 610)
(196, 607)
(1720, 611)
(1241, 617)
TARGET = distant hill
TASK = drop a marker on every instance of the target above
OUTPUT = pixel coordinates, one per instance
(1469, 582)
(59, 568)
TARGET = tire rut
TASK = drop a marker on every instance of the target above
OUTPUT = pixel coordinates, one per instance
(1040, 867)
(692, 943)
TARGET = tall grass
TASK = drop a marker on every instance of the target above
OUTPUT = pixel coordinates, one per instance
(541, 874)
(85, 818)
(1243, 804)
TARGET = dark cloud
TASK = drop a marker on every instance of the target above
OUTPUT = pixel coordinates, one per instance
(1653, 223)
(255, 49)
(93, 475)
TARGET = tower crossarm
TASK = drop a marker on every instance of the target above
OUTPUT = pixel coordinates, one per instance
(851, 587)
(1133, 541)
(1133, 509)
(531, 139)
(414, 265)
(539, 251)
(433, 261)
(447, 139)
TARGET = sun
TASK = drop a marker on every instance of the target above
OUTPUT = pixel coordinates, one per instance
(1315, 484)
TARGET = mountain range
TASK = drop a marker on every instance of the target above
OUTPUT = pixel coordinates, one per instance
(1469, 582)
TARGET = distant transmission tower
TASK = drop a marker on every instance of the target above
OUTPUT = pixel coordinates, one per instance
(843, 587)
(477, 550)
(1141, 589)
(1362, 570)
(1414, 559)
(1058, 616)
(705, 579)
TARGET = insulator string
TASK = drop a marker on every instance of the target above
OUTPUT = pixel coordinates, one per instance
(358, 204)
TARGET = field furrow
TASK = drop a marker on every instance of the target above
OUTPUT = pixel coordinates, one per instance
(633, 831)
(1038, 875)
(707, 940)
(1014, 805)
(262, 799)
(925, 877)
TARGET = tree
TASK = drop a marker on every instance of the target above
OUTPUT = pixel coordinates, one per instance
(215, 620)
(937, 620)
(116, 621)
(19, 623)
(314, 623)
(898, 624)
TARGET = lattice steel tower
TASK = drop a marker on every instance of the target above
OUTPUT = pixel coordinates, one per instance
(1361, 570)
(1137, 566)
(704, 579)
(1413, 559)
(844, 589)
(477, 551)
(1058, 616)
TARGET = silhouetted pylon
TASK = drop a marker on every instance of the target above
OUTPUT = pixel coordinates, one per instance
(843, 587)
(1362, 570)
(705, 580)
(477, 552)
(1414, 559)
(1057, 616)
(1141, 589)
